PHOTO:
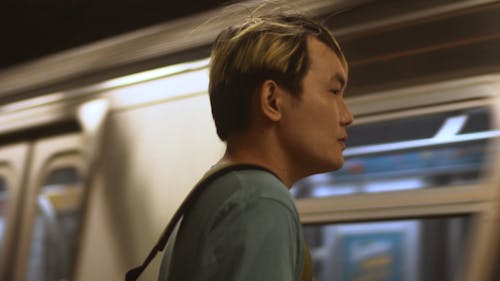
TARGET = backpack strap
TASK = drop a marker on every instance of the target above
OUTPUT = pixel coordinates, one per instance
(134, 273)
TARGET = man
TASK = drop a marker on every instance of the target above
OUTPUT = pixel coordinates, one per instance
(277, 93)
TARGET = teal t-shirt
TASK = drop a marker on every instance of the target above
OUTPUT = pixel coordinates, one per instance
(243, 227)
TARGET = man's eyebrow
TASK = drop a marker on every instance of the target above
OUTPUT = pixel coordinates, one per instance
(339, 78)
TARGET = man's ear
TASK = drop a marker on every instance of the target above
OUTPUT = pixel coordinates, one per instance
(270, 98)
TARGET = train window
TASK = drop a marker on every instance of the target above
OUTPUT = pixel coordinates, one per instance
(430, 249)
(56, 226)
(395, 130)
(4, 198)
(445, 149)
(63, 176)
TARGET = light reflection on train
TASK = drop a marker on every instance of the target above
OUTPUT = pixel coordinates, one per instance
(417, 198)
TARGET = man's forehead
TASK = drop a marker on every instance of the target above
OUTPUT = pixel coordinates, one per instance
(323, 58)
(316, 45)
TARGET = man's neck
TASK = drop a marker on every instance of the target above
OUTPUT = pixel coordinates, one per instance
(261, 151)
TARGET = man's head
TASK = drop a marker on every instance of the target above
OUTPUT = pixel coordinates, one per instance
(271, 47)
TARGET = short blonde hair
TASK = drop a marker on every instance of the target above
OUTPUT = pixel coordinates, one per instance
(265, 47)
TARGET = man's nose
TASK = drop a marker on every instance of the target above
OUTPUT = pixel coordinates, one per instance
(346, 117)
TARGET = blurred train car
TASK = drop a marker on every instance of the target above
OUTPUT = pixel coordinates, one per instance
(98, 146)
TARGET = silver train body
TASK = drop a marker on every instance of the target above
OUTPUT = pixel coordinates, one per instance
(93, 164)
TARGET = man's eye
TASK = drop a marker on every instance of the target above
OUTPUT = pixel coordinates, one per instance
(335, 91)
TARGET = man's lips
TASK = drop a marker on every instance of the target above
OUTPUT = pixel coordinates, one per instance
(342, 140)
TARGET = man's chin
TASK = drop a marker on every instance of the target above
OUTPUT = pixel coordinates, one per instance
(337, 164)
(331, 166)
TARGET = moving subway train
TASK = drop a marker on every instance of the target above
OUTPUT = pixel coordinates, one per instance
(91, 171)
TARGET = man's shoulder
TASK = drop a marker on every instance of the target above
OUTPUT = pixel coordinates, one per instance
(240, 193)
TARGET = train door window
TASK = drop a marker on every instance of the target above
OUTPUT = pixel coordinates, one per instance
(56, 226)
(430, 249)
(51, 210)
(437, 150)
(4, 200)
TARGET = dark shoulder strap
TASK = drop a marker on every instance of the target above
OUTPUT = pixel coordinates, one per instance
(134, 273)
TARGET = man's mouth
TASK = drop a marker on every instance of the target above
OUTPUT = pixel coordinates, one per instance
(342, 141)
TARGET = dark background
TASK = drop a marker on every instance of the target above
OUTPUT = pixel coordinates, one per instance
(447, 45)
(31, 29)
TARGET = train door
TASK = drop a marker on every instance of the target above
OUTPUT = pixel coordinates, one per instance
(416, 199)
(52, 210)
(13, 159)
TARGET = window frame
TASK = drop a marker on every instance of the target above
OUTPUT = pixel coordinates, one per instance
(13, 167)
